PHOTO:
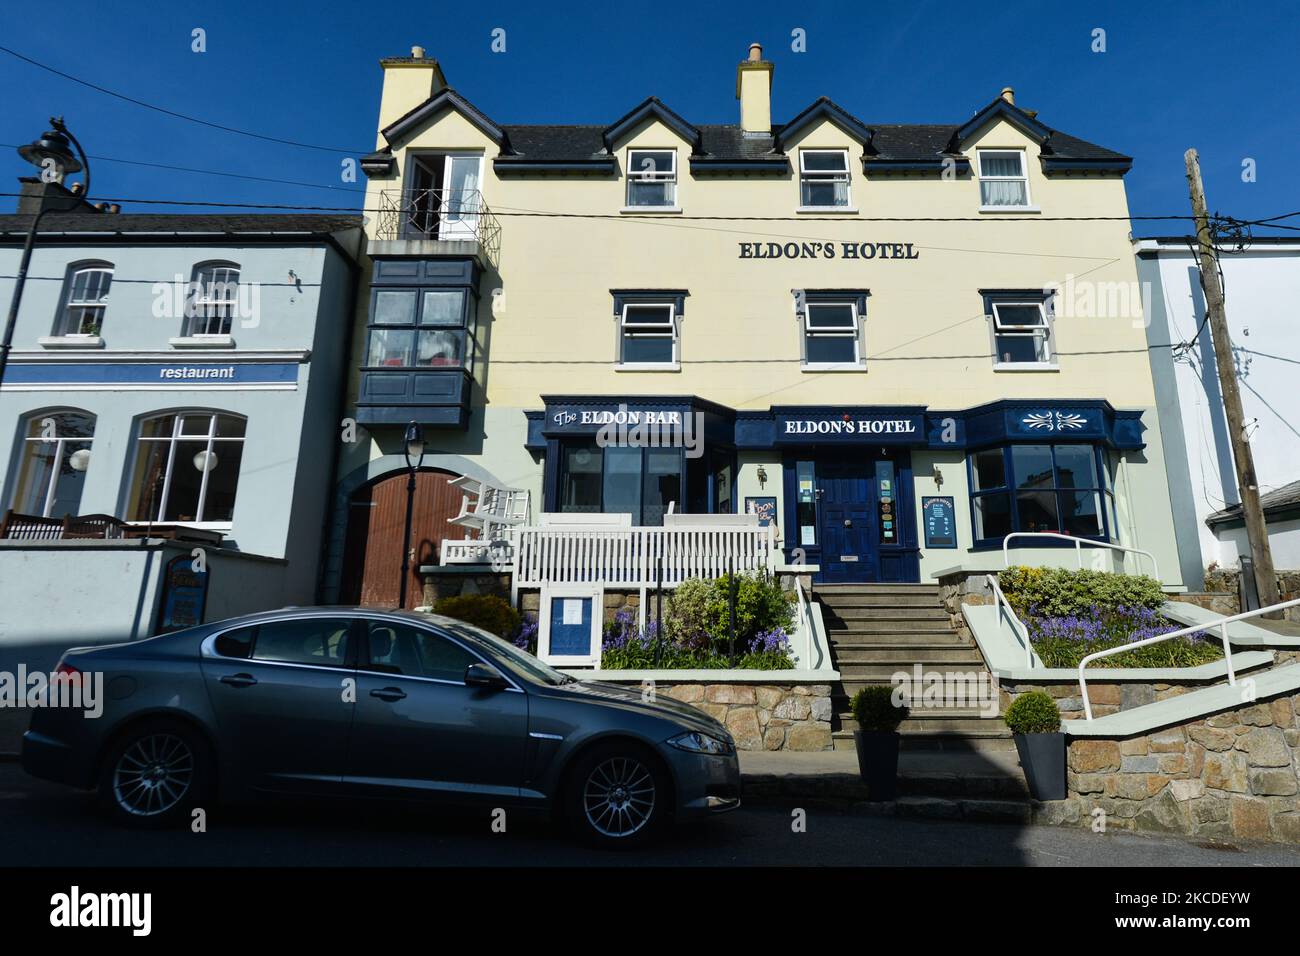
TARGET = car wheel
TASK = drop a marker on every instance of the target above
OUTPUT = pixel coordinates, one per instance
(155, 774)
(618, 796)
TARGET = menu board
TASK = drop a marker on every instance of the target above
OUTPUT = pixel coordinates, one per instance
(939, 517)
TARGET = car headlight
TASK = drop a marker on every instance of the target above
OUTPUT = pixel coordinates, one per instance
(698, 743)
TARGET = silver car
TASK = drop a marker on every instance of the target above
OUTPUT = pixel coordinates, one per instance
(357, 702)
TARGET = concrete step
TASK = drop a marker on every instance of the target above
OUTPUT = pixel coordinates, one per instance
(957, 743)
(952, 720)
(854, 676)
(857, 612)
(887, 653)
(879, 600)
(875, 588)
(887, 626)
(851, 637)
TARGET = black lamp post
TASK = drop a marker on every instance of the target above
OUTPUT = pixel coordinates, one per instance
(414, 456)
(51, 151)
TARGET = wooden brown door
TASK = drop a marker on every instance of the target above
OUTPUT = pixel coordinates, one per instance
(372, 556)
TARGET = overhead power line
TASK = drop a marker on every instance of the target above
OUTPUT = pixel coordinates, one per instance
(173, 113)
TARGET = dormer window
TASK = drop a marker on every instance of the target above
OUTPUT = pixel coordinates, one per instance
(651, 178)
(824, 178)
(1003, 180)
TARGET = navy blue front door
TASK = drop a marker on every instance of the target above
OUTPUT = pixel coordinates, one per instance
(848, 522)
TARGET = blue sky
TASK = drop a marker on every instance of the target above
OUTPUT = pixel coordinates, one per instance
(308, 72)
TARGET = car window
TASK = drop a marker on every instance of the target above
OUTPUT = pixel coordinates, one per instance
(322, 641)
(236, 643)
(413, 651)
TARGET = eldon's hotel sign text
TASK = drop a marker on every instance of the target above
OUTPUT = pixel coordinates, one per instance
(828, 250)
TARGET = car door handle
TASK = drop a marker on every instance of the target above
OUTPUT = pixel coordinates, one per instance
(388, 693)
(239, 680)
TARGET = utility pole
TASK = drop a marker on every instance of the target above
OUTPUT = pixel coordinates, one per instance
(1256, 530)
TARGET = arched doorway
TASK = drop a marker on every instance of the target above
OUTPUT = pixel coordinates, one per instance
(372, 554)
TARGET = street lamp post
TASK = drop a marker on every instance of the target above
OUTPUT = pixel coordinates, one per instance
(414, 450)
(50, 154)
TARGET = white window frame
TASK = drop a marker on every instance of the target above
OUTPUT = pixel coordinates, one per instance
(626, 329)
(203, 301)
(214, 442)
(1023, 331)
(552, 592)
(98, 306)
(635, 174)
(823, 175)
(807, 328)
(1022, 178)
(60, 443)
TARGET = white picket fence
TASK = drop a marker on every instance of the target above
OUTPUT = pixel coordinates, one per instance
(629, 557)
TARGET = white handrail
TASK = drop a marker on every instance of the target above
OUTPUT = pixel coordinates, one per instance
(1221, 624)
(806, 625)
(1078, 547)
(1002, 605)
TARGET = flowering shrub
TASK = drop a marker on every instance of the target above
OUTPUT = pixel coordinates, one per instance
(1064, 641)
(698, 615)
(625, 646)
(1059, 592)
(526, 637)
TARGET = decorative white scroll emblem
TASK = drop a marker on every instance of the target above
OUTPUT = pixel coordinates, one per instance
(1054, 421)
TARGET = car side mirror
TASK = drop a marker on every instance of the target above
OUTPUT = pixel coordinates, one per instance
(485, 676)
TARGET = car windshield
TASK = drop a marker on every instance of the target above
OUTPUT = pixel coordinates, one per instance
(519, 661)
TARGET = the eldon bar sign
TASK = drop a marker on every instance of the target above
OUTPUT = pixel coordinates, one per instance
(828, 250)
(850, 427)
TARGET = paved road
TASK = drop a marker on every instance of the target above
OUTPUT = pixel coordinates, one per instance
(44, 824)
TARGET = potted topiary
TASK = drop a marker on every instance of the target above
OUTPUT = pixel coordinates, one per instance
(1036, 723)
(877, 739)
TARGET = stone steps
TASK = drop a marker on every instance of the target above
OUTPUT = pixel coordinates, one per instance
(964, 741)
(869, 625)
(923, 654)
(854, 612)
(854, 676)
(943, 720)
(849, 638)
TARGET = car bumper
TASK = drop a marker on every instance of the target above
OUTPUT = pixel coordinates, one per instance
(706, 784)
(50, 759)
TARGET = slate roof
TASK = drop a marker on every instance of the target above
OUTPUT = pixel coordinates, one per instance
(1274, 504)
(292, 224)
(728, 143)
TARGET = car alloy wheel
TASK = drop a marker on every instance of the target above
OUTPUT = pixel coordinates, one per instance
(153, 775)
(619, 797)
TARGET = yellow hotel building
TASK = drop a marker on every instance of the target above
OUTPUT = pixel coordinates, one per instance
(899, 343)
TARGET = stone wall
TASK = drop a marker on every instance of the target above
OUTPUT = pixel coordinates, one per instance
(443, 583)
(1220, 602)
(1235, 774)
(763, 716)
(1228, 580)
(1106, 698)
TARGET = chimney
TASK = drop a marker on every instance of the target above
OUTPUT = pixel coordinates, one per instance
(35, 195)
(408, 82)
(1008, 94)
(754, 90)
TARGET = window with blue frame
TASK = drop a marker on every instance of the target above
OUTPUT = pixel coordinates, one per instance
(420, 328)
(1053, 488)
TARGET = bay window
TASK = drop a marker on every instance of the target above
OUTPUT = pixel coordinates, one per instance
(414, 328)
(1042, 488)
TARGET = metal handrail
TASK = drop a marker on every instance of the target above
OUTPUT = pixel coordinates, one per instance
(1078, 547)
(1000, 602)
(1221, 624)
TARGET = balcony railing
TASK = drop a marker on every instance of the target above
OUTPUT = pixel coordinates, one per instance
(23, 527)
(446, 215)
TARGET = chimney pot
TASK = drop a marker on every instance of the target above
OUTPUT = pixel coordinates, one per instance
(417, 52)
(755, 52)
(1008, 94)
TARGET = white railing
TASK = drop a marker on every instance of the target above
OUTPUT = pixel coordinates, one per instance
(1006, 611)
(630, 557)
(498, 552)
(1078, 547)
(805, 627)
(1221, 624)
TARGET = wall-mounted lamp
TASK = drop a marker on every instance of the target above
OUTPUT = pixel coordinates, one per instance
(938, 477)
(762, 476)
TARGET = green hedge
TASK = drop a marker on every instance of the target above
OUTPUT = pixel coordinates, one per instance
(1059, 592)
(492, 613)
(1033, 713)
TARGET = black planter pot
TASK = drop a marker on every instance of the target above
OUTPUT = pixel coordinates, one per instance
(1042, 757)
(878, 762)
